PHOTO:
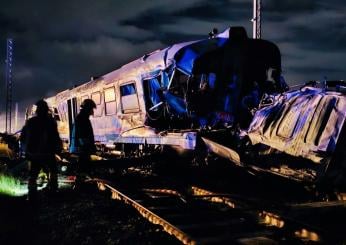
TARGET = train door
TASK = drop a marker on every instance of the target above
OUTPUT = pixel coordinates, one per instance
(71, 112)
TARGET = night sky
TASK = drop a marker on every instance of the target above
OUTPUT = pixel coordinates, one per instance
(62, 43)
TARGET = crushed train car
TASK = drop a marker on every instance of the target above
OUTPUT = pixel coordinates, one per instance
(166, 97)
(298, 134)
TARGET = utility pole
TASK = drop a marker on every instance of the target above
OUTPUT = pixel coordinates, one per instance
(256, 20)
(9, 85)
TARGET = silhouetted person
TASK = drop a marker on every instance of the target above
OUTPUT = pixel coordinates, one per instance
(41, 141)
(82, 140)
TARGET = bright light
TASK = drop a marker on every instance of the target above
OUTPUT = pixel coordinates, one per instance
(11, 186)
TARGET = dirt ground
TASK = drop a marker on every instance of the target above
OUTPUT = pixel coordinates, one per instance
(86, 216)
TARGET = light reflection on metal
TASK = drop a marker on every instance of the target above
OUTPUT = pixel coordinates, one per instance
(101, 186)
(307, 235)
(166, 192)
(341, 196)
(256, 20)
(271, 219)
(212, 197)
(150, 216)
(96, 158)
(223, 151)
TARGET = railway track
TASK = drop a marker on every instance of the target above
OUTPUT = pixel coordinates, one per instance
(200, 216)
(196, 215)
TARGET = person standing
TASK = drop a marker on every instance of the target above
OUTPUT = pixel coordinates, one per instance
(82, 142)
(41, 141)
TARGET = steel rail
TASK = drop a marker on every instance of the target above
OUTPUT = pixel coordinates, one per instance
(275, 217)
(268, 218)
(146, 213)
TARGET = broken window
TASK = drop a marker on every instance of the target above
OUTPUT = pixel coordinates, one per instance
(152, 93)
(110, 102)
(154, 89)
(129, 99)
(179, 84)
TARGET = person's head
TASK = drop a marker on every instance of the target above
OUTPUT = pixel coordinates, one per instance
(42, 108)
(88, 106)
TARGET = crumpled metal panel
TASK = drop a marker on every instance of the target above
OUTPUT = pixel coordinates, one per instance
(304, 123)
(223, 151)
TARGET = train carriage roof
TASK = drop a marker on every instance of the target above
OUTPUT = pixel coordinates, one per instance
(182, 55)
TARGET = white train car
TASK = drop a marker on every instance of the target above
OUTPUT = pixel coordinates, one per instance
(155, 99)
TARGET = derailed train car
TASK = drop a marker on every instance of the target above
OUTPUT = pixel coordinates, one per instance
(166, 97)
(308, 124)
(300, 134)
(205, 96)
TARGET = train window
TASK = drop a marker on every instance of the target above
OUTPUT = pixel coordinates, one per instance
(96, 97)
(110, 103)
(152, 93)
(127, 89)
(129, 99)
(62, 108)
(84, 97)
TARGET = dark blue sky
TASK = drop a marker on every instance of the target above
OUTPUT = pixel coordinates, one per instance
(62, 43)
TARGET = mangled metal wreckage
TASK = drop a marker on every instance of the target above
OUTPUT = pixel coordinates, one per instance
(193, 92)
(298, 134)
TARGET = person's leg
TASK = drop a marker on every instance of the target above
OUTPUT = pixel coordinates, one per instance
(81, 168)
(52, 175)
(34, 169)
